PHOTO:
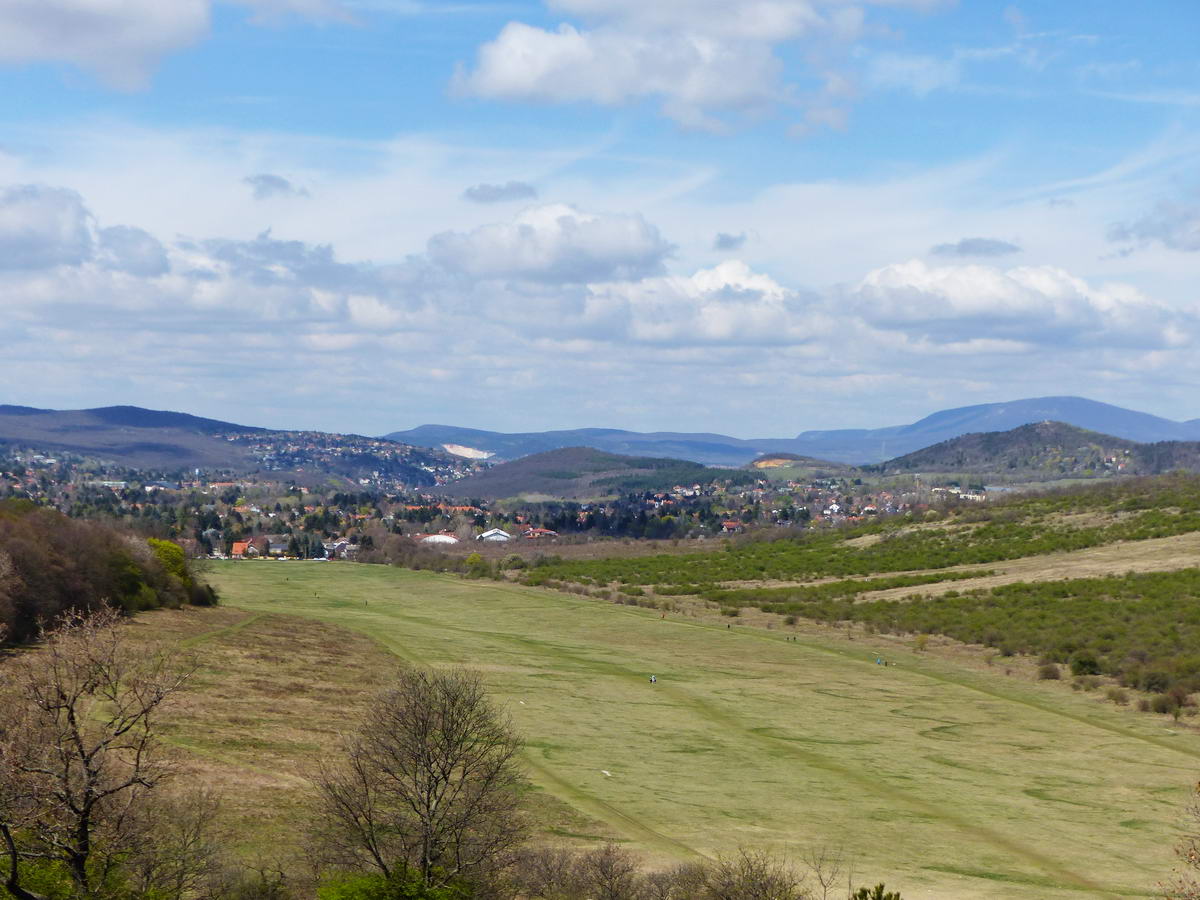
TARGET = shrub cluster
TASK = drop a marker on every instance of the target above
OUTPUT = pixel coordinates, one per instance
(1143, 629)
(50, 563)
(796, 599)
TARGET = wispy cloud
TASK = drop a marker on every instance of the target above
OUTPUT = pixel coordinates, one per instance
(500, 193)
(266, 186)
(727, 242)
(976, 246)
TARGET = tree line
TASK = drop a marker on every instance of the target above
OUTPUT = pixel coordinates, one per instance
(50, 563)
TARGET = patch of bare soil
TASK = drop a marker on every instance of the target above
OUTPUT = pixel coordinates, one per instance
(1156, 555)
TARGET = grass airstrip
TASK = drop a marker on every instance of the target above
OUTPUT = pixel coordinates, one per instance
(947, 782)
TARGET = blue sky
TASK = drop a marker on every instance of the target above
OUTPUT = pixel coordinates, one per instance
(754, 217)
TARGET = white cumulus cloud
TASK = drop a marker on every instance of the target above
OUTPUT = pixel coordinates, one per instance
(729, 303)
(42, 227)
(556, 243)
(122, 41)
(1041, 305)
(701, 59)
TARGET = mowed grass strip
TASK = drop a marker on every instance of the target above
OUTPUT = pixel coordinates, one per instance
(269, 698)
(946, 782)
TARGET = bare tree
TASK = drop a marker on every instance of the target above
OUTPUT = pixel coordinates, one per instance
(610, 873)
(684, 882)
(428, 784)
(546, 873)
(1183, 884)
(826, 865)
(178, 851)
(77, 750)
(752, 875)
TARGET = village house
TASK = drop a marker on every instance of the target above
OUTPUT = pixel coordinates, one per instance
(337, 549)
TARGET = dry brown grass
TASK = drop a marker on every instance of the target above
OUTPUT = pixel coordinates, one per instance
(270, 696)
(577, 547)
(268, 699)
(1156, 555)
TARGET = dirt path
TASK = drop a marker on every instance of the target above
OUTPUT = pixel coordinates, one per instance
(1156, 555)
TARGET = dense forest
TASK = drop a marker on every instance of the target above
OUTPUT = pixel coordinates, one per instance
(50, 563)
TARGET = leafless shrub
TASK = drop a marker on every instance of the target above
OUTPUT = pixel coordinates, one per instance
(610, 873)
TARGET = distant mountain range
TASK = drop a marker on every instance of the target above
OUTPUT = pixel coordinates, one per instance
(163, 440)
(857, 446)
(1037, 452)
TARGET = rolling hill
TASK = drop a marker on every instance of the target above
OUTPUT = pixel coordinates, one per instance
(164, 441)
(1051, 449)
(709, 449)
(128, 435)
(871, 445)
(585, 473)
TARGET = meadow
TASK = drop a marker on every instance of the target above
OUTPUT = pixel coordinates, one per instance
(944, 780)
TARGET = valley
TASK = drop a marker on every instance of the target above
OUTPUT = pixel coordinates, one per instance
(954, 781)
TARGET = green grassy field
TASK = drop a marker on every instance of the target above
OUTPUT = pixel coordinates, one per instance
(943, 781)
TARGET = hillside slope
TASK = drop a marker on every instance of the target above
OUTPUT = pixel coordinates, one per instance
(163, 441)
(1050, 449)
(128, 435)
(582, 472)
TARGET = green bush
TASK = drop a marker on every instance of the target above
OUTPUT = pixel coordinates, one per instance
(1049, 672)
(1164, 704)
(1084, 663)
(170, 555)
(879, 892)
(400, 886)
(1155, 682)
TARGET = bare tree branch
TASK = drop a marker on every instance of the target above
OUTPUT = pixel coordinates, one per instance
(428, 784)
(77, 747)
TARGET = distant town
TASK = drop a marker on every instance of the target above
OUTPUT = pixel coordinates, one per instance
(282, 513)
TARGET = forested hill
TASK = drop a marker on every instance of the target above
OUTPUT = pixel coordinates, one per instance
(1047, 449)
(584, 473)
